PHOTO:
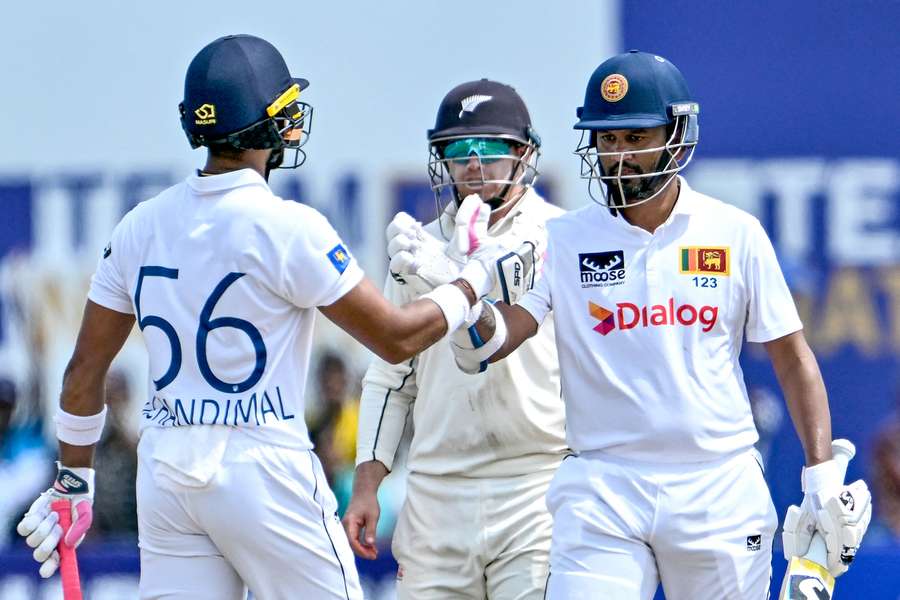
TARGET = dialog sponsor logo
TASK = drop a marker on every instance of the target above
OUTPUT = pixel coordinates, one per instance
(628, 315)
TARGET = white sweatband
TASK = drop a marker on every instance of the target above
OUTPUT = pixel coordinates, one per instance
(452, 302)
(825, 475)
(478, 276)
(79, 431)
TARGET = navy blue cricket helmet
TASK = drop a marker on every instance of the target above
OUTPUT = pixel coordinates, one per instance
(636, 90)
(486, 119)
(238, 92)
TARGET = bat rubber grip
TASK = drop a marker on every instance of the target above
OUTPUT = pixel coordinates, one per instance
(68, 562)
(843, 451)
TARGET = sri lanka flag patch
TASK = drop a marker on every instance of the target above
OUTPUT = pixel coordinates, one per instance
(339, 257)
(712, 260)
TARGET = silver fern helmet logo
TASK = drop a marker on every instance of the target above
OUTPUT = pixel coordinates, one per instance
(470, 103)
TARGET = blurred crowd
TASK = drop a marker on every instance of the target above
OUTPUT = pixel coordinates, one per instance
(26, 456)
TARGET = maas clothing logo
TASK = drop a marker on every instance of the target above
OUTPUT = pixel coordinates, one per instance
(711, 260)
(602, 269)
(631, 316)
(206, 115)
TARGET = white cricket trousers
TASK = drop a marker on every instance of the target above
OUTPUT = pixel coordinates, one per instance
(621, 527)
(265, 521)
(473, 538)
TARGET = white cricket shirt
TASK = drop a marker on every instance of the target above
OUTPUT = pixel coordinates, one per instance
(506, 421)
(649, 326)
(223, 278)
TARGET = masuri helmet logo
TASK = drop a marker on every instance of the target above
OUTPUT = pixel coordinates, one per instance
(206, 115)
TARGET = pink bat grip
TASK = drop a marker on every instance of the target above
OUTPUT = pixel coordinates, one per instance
(68, 562)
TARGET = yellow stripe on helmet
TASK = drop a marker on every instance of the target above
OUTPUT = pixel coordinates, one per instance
(283, 100)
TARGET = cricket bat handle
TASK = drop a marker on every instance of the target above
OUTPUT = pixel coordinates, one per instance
(843, 451)
(68, 562)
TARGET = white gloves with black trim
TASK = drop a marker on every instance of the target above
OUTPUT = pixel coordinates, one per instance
(841, 513)
(40, 525)
(423, 262)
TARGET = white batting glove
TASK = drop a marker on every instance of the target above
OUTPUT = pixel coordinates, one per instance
(800, 522)
(843, 521)
(470, 352)
(418, 259)
(470, 238)
(40, 525)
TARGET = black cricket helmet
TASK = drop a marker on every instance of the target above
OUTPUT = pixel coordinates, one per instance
(636, 90)
(238, 92)
(487, 119)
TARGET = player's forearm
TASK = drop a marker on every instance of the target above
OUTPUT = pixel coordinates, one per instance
(807, 401)
(520, 326)
(82, 396)
(368, 477)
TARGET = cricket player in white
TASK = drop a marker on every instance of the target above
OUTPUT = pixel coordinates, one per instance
(222, 278)
(652, 294)
(484, 447)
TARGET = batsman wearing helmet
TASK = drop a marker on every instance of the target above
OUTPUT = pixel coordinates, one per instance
(652, 293)
(223, 279)
(485, 445)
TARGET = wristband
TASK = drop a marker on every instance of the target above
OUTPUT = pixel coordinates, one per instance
(77, 430)
(453, 303)
(825, 475)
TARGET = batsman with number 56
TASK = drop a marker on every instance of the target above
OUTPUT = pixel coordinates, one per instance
(652, 292)
(224, 278)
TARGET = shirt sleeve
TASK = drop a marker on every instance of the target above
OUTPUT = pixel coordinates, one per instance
(771, 312)
(317, 266)
(108, 286)
(538, 300)
(388, 394)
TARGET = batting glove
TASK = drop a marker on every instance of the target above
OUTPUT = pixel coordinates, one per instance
(843, 521)
(470, 238)
(418, 259)
(470, 351)
(40, 525)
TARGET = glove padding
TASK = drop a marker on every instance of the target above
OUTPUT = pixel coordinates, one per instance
(840, 513)
(423, 262)
(40, 525)
(470, 352)
(418, 259)
(471, 239)
(800, 522)
(843, 521)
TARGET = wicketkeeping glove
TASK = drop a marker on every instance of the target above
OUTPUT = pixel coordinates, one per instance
(40, 525)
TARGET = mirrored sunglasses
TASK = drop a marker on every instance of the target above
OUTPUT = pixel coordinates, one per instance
(489, 150)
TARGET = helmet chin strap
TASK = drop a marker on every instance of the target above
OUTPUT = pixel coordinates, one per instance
(274, 161)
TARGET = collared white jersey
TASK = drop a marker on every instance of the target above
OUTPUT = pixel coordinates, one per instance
(224, 278)
(506, 421)
(649, 326)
